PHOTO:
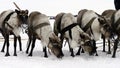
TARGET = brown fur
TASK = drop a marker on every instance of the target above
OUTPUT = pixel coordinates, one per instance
(9, 28)
(80, 14)
(33, 15)
(108, 13)
(57, 22)
(39, 28)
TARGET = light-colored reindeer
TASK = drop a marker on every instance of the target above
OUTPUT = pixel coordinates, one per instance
(65, 25)
(39, 28)
(10, 23)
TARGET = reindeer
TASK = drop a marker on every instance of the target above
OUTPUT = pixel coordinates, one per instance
(39, 28)
(115, 24)
(10, 23)
(93, 24)
(65, 25)
(107, 14)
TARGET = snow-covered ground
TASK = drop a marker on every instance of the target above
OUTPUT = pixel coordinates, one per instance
(38, 61)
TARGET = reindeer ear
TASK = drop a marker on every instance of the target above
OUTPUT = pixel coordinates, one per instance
(101, 19)
(17, 11)
(26, 11)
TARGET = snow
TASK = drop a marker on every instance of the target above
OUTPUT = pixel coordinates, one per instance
(38, 61)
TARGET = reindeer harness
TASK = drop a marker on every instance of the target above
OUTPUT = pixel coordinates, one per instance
(68, 28)
(32, 29)
(6, 19)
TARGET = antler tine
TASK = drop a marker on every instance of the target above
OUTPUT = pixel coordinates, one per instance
(16, 6)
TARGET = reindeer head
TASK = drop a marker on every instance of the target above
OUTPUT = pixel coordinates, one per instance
(22, 15)
(55, 46)
(106, 28)
(87, 44)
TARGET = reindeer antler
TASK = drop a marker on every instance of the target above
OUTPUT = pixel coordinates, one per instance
(16, 6)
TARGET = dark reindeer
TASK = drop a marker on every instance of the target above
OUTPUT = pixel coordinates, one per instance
(39, 28)
(11, 23)
(107, 14)
(115, 24)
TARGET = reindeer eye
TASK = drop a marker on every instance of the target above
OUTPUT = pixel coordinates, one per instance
(106, 25)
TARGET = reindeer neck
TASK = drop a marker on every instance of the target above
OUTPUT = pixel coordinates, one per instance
(19, 20)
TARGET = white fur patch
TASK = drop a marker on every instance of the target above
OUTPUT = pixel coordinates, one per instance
(73, 44)
(17, 31)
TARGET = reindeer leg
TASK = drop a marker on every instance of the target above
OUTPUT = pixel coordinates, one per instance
(7, 40)
(82, 51)
(4, 41)
(61, 44)
(3, 46)
(109, 51)
(78, 53)
(94, 43)
(20, 44)
(45, 52)
(115, 48)
(28, 46)
(103, 43)
(33, 45)
(15, 45)
(72, 52)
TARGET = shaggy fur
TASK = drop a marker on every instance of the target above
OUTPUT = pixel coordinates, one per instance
(116, 28)
(73, 34)
(45, 33)
(109, 15)
(97, 27)
(10, 23)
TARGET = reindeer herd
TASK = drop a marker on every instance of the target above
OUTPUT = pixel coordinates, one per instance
(80, 31)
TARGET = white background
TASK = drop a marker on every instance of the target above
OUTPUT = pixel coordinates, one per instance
(52, 7)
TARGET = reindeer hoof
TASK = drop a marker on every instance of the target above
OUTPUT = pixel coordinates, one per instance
(2, 51)
(46, 56)
(30, 55)
(26, 52)
(82, 51)
(15, 55)
(103, 51)
(73, 55)
(20, 49)
(96, 55)
(7, 54)
(109, 52)
(77, 53)
(113, 56)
